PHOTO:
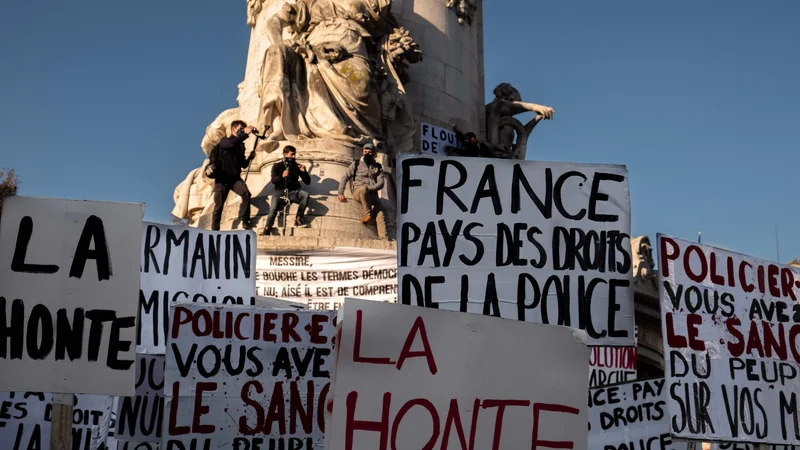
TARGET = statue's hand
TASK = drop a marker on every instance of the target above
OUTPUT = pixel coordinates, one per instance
(545, 111)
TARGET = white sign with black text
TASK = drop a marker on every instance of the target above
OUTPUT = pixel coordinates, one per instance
(541, 242)
(435, 140)
(69, 277)
(25, 420)
(730, 324)
(631, 416)
(185, 264)
(322, 278)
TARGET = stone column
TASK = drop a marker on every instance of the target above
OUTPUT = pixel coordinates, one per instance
(447, 86)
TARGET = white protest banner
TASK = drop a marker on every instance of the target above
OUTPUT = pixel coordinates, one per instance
(68, 283)
(246, 378)
(534, 241)
(139, 418)
(185, 264)
(434, 140)
(731, 325)
(323, 278)
(612, 365)
(25, 421)
(410, 378)
(631, 416)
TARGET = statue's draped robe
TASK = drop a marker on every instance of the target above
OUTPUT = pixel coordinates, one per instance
(336, 96)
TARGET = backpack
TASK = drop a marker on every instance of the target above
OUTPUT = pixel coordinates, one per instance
(212, 169)
(355, 171)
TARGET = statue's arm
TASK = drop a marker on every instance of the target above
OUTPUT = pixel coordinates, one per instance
(520, 107)
(275, 30)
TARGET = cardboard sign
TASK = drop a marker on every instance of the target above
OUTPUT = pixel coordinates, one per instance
(25, 421)
(434, 140)
(731, 325)
(247, 378)
(612, 365)
(410, 378)
(533, 241)
(185, 264)
(139, 418)
(631, 416)
(323, 278)
(68, 282)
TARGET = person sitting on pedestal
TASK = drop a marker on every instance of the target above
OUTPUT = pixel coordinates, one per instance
(366, 180)
(286, 176)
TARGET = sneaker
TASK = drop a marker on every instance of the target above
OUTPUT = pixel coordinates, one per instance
(367, 218)
(267, 231)
(246, 225)
(299, 221)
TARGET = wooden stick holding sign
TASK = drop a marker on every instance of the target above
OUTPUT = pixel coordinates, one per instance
(61, 425)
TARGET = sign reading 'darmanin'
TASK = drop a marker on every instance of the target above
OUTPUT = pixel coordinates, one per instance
(731, 326)
(184, 264)
(534, 241)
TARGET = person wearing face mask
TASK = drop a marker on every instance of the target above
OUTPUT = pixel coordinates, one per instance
(286, 176)
(366, 180)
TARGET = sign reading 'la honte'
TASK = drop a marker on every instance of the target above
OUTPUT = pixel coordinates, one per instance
(69, 277)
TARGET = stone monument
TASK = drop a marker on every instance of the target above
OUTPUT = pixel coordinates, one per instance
(327, 76)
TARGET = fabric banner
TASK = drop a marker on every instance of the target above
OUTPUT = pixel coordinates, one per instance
(533, 241)
(323, 278)
(434, 140)
(247, 378)
(412, 378)
(25, 421)
(69, 276)
(185, 264)
(139, 418)
(730, 324)
(631, 416)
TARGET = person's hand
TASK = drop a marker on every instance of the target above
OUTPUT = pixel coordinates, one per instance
(302, 167)
(249, 129)
(285, 173)
(252, 156)
(341, 198)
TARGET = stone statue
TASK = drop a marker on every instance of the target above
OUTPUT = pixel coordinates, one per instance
(645, 276)
(465, 10)
(324, 82)
(506, 133)
(193, 197)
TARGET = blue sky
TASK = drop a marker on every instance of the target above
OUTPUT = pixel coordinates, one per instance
(109, 100)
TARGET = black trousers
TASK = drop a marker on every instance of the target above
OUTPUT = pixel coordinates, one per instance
(221, 191)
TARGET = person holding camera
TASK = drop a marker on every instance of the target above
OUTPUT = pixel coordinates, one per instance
(366, 180)
(286, 176)
(230, 161)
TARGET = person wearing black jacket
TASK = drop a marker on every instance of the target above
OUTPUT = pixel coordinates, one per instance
(286, 176)
(230, 162)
